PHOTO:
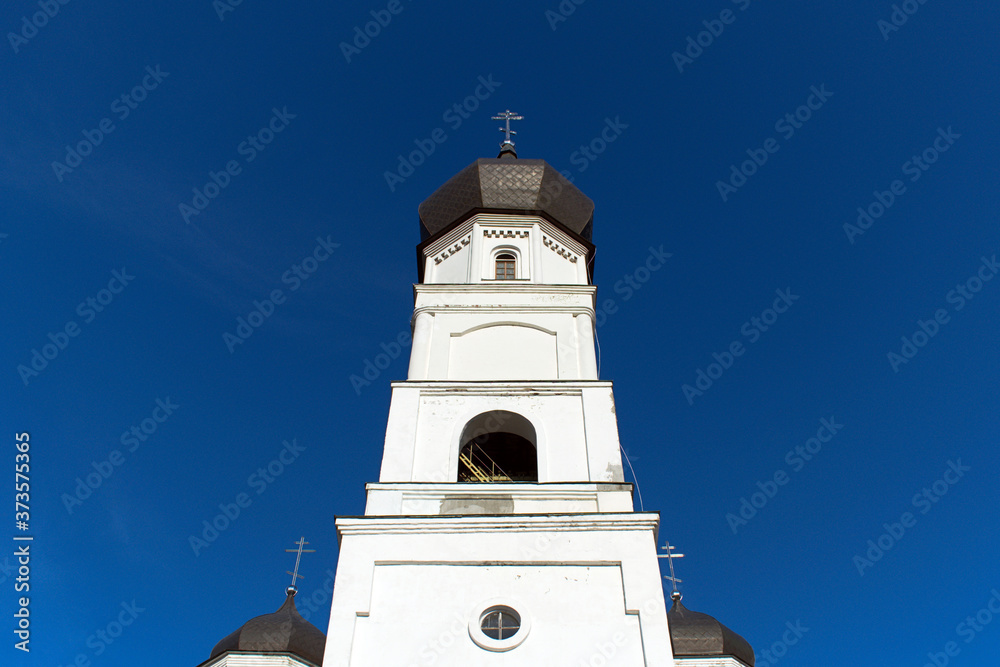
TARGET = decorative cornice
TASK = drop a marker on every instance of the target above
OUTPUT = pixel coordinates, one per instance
(501, 391)
(503, 308)
(526, 489)
(506, 221)
(448, 252)
(505, 233)
(505, 286)
(256, 659)
(558, 249)
(519, 523)
(519, 387)
(502, 225)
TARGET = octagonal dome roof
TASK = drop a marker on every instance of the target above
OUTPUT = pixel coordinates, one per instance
(507, 184)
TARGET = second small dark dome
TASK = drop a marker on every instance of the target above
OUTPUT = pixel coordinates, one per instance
(284, 631)
(694, 634)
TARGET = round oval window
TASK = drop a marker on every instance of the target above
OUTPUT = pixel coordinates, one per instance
(499, 623)
(495, 626)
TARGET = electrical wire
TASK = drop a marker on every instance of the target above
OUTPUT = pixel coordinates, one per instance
(634, 478)
(598, 341)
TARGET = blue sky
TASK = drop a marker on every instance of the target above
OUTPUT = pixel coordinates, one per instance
(287, 137)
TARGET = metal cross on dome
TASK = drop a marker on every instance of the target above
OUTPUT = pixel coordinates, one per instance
(508, 116)
(670, 556)
(298, 556)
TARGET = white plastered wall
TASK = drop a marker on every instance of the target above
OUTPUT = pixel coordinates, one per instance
(574, 422)
(546, 254)
(581, 583)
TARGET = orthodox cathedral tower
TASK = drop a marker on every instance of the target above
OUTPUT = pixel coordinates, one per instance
(501, 530)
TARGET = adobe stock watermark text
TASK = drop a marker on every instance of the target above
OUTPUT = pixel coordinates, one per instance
(752, 330)
(923, 500)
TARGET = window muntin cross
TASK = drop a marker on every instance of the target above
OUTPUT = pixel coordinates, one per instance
(500, 623)
(506, 267)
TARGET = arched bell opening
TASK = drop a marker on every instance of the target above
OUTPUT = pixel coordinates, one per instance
(498, 446)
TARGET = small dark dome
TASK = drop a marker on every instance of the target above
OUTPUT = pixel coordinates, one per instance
(507, 184)
(284, 631)
(694, 634)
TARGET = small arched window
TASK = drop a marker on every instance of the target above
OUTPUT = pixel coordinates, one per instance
(506, 266)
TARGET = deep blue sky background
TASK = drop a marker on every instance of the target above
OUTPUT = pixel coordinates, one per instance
(655, 185)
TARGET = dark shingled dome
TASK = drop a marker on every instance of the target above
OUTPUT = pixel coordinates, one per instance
(694, 634)
(284, 631)
(507, 184)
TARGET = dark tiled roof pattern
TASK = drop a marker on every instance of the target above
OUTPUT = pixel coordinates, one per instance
(507, 184)
(284, 631)
(695, 634)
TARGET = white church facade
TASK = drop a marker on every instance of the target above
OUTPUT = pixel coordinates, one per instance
(501, 530)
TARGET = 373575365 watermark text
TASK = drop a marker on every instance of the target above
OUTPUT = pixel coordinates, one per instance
(22, 541)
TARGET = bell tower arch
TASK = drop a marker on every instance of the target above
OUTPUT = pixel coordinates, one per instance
(498, 446)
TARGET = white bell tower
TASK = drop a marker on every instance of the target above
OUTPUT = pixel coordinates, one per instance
(501, 530)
